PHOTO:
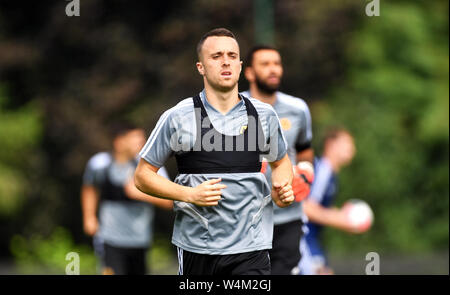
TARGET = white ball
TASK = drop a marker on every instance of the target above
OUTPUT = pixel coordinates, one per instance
(306, 166)
(359, 214)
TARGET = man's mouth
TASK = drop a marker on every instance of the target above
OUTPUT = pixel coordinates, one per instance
(226, 73)
(273, 79)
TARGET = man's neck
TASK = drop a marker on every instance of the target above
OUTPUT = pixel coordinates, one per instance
(335, 166)
(222, 101)
(262, 96)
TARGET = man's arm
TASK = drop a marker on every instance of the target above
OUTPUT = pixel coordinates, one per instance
(132, 192)
(304, 170)
(303, 142)
(89, 204)
(333, 217)
(149, 182)
(153, 155)
(282, 175)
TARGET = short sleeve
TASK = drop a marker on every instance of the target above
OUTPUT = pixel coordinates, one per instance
(323, 173)
(304, 137)
(89, 175)
(95, 167)
(158, 147)
(277, 141)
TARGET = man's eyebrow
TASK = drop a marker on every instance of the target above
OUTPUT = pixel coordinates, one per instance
(222, 52)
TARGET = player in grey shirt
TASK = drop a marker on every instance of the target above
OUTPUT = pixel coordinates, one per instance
(123, 229)
(223, 222)
(264, 71)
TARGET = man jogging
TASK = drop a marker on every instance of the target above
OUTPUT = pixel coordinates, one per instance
(264, 71)
(223, 222)
(122, 231)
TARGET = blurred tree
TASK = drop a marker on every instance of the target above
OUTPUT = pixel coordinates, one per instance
(20, 132)
(38, 255)
(20, 137)
(395, 101)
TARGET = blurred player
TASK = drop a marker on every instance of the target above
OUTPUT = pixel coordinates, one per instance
(264, 71)
(123, 229)
(339, 149)
(223, 202)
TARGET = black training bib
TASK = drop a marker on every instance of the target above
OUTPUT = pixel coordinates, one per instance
(232, 154)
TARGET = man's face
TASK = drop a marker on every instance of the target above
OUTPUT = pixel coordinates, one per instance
(266, 70)
(344, 148)
(131, 142)
(220, 63)
(135, 140)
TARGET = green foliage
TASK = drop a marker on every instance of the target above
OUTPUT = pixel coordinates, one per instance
(395, 102)
(47, 255)
(40, 255)
(20, 131)
(160, 259)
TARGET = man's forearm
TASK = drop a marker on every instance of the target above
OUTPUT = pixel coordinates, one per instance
(282, 176)
(325, 216)
(282, 172)
(149, 182)
(89, 201)
(132, 192)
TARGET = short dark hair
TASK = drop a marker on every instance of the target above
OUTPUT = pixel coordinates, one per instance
(254, 49)
(219, 32)
(119, 128)
(334, 132)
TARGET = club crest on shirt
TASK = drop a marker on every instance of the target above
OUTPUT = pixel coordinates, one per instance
(285, 123)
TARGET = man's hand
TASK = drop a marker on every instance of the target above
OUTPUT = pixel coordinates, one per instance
(207, 194)
(90, 225)
(303, 178)
(282, 194)
(334, 217)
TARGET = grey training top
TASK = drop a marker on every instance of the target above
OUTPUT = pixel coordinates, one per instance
(242, 221)
(121, 223)
(295, 120)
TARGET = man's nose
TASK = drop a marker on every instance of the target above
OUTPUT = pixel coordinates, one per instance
(273, 70)
(226, 61)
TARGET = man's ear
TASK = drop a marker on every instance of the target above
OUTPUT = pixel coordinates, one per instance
(249, 74)
(200, 68)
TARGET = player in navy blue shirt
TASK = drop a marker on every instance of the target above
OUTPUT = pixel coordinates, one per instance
(339, 149)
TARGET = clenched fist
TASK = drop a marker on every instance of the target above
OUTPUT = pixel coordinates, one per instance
(207, 193)
(282, 194)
